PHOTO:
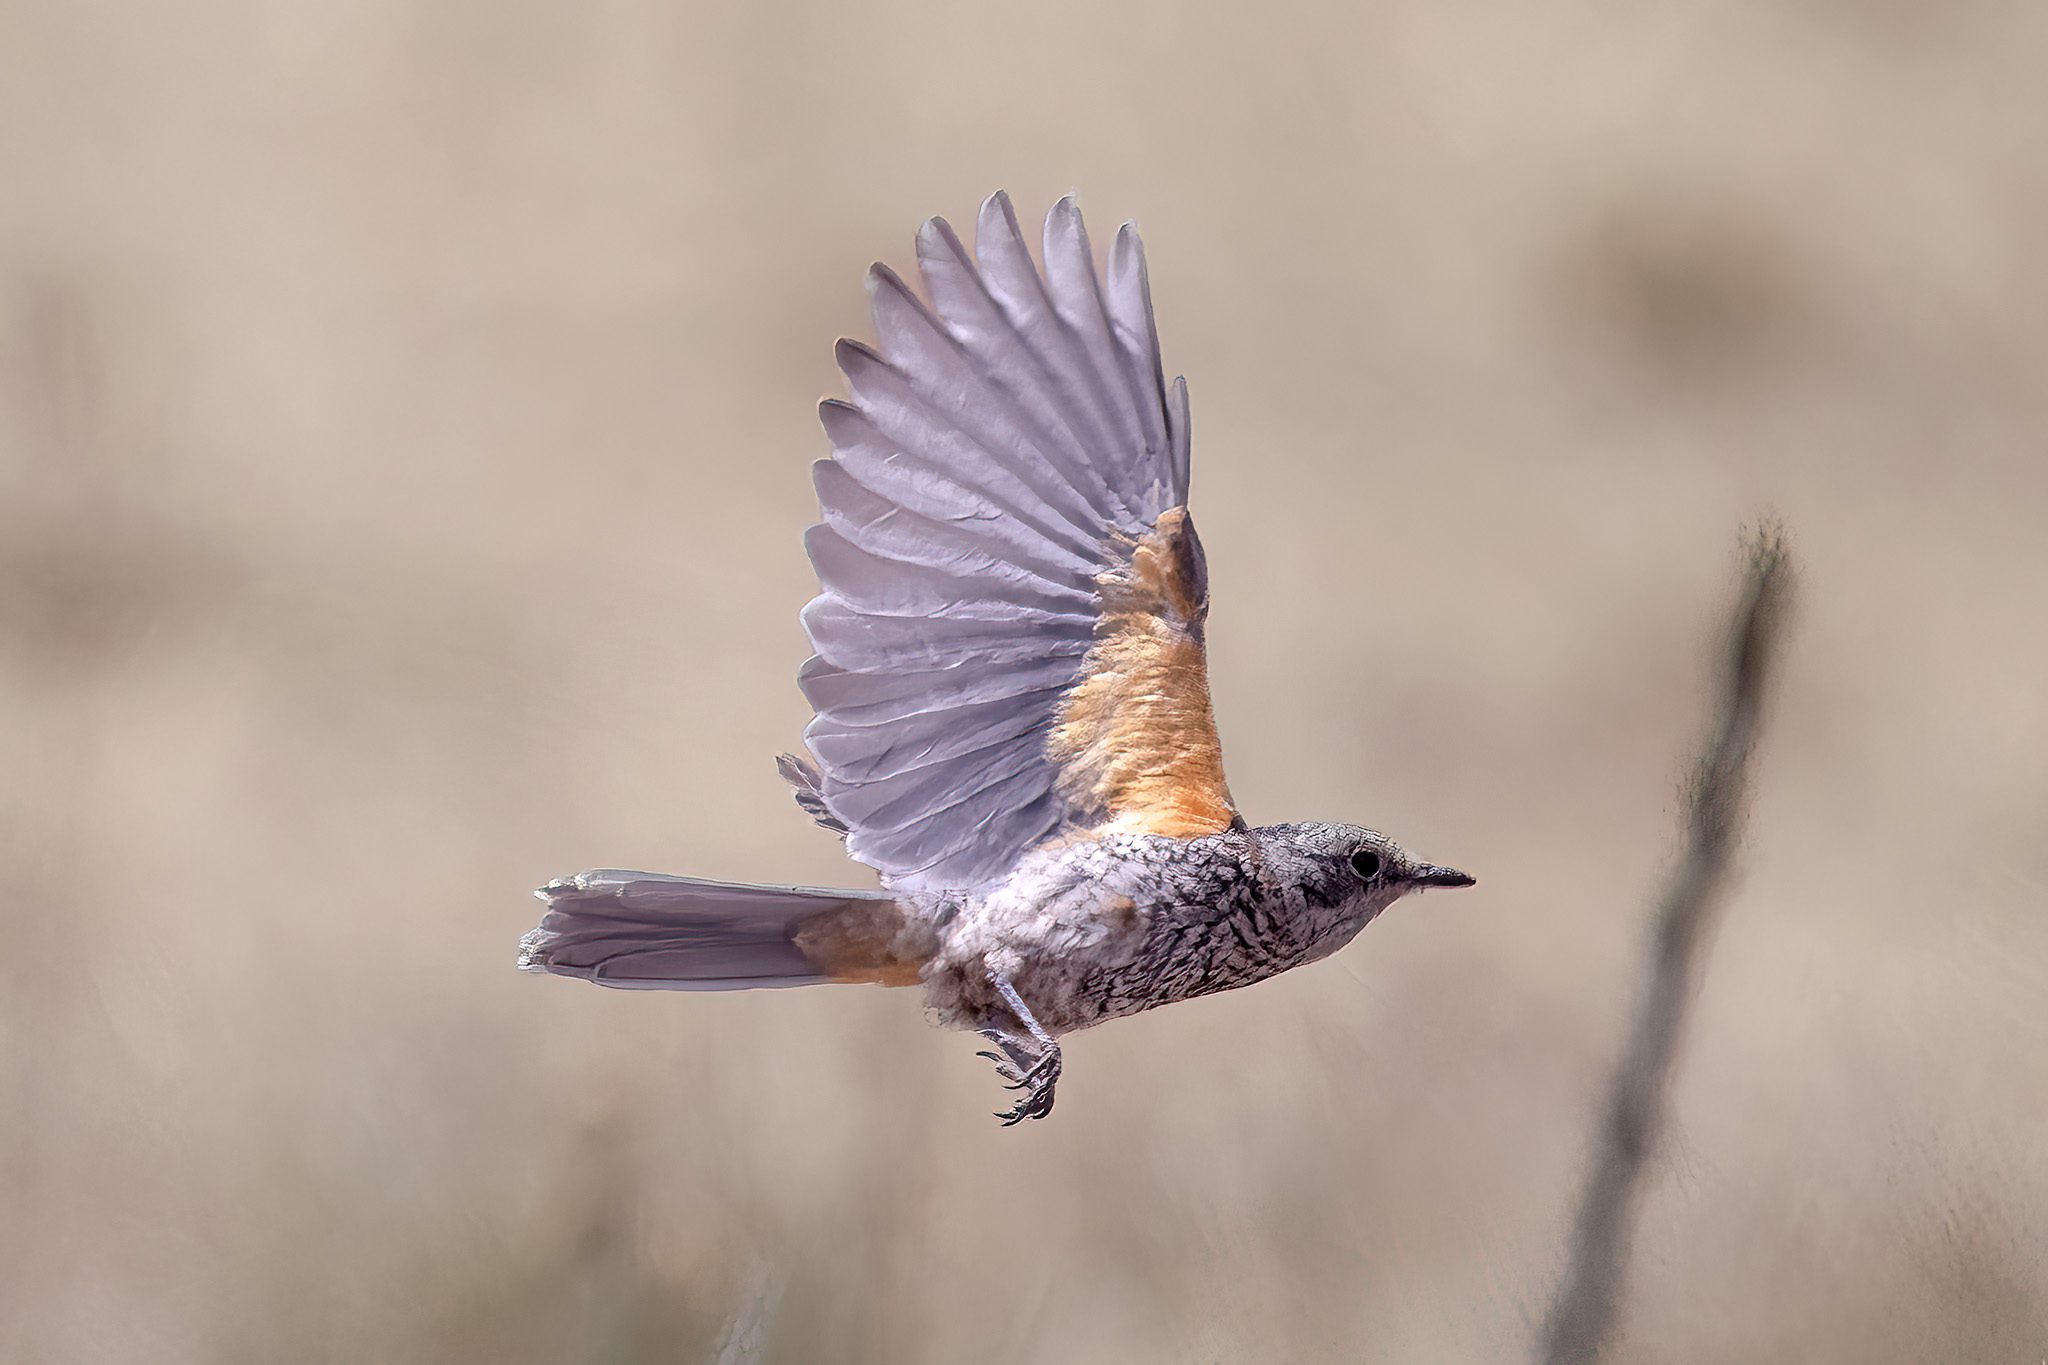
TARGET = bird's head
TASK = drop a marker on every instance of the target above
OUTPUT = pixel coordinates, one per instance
(1361, 871)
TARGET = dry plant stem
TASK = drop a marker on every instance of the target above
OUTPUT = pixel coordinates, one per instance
(1582, 1317)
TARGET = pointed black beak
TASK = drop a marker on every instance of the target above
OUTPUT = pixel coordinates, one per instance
(1429, 874)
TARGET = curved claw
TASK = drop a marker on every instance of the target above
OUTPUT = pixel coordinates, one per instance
(1038, 1082)
(1035, 1106)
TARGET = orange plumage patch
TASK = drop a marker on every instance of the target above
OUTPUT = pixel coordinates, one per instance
(868, 942)
(1136, 739)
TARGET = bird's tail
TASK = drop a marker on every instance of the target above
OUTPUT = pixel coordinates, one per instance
(638, 929)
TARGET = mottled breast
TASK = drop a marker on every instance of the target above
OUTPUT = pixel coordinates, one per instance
(1068, 913)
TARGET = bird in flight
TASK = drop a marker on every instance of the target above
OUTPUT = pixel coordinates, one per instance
(1013, 721)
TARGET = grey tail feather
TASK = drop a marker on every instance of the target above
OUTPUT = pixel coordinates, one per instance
(651, 932)
(810, 793)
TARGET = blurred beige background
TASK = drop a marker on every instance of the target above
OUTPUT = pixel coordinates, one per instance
(405, 411)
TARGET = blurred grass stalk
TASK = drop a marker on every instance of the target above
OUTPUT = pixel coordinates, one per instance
(1588, 1302)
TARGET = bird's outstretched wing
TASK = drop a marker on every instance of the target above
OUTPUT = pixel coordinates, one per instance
(1009, 639)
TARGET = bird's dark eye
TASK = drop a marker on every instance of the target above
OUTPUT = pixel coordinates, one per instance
(1366, 863)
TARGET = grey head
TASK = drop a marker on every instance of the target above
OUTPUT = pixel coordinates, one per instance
(1352, 870)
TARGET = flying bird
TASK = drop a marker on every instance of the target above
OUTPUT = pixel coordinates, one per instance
(1013, 724)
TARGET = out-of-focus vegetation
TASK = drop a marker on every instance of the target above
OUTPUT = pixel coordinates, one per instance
(404, 413)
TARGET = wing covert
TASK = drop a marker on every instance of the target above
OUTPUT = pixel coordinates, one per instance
(1009, 633)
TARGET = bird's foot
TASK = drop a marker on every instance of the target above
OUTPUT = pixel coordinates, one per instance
(1036, 1074)
(1030, 1061)
(1037, 1082)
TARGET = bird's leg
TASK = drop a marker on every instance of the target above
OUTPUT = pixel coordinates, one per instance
(1030, 1063)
